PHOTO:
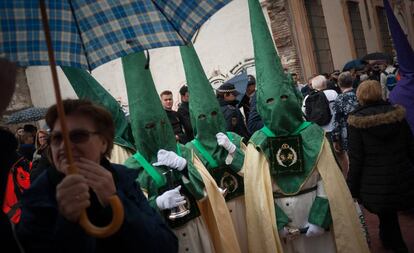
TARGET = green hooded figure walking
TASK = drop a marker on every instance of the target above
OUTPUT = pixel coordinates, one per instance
(220, 152)
(296, 197)
(171, 182)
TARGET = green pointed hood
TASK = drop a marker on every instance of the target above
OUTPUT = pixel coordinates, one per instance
(206, 117)
(150, 125)
(277, 102)
(86, 87)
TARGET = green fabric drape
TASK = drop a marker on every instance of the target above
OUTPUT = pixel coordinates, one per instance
(86, 87)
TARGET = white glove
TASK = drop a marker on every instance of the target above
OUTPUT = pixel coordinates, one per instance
(223, 140)
(170, 159)
(170, 199)
(314, 230)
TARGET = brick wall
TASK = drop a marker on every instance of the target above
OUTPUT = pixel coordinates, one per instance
(280, 22)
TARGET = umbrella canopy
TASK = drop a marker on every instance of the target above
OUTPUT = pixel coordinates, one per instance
(86, 34)
(27, 115)
(377, 56)
(240, 83)
(357, 64)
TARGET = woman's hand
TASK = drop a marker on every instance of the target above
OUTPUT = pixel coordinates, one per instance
(98, 178)
(72, 195)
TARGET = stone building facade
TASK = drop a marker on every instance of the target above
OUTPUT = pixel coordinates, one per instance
(318, 36)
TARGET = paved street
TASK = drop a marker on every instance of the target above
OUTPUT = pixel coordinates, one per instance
(407, 227)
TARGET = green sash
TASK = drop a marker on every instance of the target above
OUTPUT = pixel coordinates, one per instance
(155, 175)
(269, 132)
(213, 163)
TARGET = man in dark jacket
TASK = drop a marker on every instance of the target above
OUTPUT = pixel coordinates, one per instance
(184, 112)
(178, 127)
(247, 98)
(254, 122)
(226, 95)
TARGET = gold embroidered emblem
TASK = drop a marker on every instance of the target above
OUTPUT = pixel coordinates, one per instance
(286, 156)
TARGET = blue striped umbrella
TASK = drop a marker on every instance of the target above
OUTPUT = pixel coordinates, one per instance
(89, 33)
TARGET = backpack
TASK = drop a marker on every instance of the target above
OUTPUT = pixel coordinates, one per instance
(391, 79)
(317, 108)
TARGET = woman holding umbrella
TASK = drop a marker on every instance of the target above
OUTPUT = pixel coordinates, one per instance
(51, 208)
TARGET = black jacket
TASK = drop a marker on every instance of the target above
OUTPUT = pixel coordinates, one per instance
(234, 118)
(381, 154)
(177, 126)
(184, 116)
(43, 229)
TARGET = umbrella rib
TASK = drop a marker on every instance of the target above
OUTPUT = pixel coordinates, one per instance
(80, 35)
(169, 21)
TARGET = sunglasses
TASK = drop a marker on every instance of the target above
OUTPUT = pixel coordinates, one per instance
(75, 136)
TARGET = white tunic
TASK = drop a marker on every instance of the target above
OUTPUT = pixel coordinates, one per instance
(237, 209)
(297, 208)
(194, 237)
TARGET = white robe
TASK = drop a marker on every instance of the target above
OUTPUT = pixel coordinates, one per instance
(237, 209)
(297, 208)
(194, 237)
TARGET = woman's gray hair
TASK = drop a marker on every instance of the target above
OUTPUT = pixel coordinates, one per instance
(319, 82)
(345, 79)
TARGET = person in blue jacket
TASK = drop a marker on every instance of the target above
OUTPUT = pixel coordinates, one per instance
(51, 208)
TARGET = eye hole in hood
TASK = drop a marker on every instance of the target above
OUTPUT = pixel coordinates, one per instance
(202, 117)
(150, 125)
(270, 101)
(284, 97)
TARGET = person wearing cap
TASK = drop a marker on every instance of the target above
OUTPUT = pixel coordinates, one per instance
(184, 112)
(296, 197)
(247, 98)
(220, 152)
(226, 95)
(173, 179)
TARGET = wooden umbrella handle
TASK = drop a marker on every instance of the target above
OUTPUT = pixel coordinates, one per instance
(113, 227)
(115, 202)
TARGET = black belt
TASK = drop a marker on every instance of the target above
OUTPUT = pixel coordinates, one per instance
(277, 195)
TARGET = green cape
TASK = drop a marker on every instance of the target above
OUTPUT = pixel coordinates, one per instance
(86, 87)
